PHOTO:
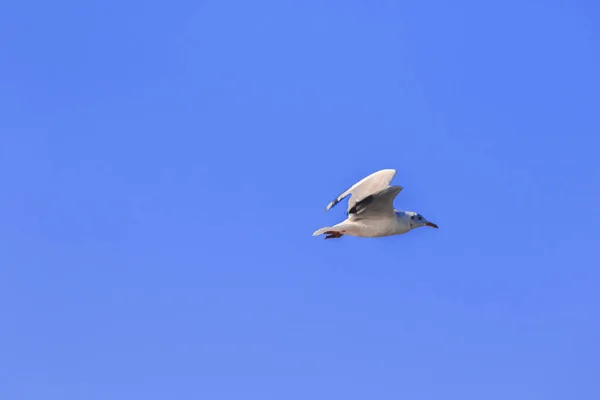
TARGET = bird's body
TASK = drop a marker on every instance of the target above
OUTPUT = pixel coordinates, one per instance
(370, 228)
(370, 210)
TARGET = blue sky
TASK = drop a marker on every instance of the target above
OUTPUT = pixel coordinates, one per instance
(164, 166)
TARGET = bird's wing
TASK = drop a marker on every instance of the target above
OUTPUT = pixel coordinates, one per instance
(379, 205)
(372, 184)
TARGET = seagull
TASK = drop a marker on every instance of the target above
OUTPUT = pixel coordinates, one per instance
(371, 211)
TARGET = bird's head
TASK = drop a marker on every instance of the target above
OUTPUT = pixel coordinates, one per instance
(417, 220)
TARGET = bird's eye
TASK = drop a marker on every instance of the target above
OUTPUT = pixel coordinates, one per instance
(420, 218)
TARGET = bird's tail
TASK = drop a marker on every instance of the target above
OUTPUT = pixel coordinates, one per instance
(323, 230)
(332, 232)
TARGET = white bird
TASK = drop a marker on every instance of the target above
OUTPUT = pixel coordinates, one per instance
(371, 210)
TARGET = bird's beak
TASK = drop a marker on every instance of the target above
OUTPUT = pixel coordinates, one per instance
(431, 224)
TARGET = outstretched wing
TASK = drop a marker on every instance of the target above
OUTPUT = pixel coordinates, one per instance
(372, 184)
(376, 206)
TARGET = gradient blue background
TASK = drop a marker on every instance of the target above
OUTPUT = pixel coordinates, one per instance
(163, 166)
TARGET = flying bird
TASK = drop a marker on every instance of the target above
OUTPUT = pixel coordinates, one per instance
(371, 211)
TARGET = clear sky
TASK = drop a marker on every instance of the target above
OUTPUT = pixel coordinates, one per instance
(163, 168)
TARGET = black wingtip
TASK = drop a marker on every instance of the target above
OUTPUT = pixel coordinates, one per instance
(331, 204)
